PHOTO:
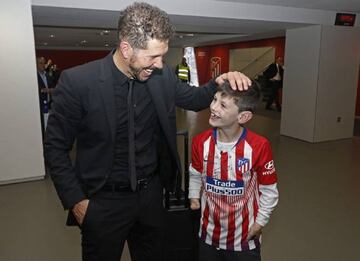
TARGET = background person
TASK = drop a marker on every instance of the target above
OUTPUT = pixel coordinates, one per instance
(275, 73)
(183, 71)
(45, 86)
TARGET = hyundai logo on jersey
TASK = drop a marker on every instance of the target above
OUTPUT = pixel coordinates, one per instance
(225, 187)
(243, 164)
(269, 165)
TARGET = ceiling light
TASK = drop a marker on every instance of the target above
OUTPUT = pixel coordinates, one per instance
(45, 43)
(83, 42)
(106, 45)
(52, 36)
(104, 32)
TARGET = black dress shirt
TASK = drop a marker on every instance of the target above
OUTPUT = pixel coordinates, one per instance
(146, 123)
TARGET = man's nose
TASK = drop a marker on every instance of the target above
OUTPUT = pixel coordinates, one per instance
(158, 62)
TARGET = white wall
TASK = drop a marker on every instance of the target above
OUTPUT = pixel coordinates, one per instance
(300, 82)
(320, 82)
(20, 132)
(337, 85)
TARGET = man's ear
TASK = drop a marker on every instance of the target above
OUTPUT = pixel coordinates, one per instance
(244, 117)
(125, 49)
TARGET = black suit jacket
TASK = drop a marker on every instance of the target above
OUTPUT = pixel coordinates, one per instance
(84, 109)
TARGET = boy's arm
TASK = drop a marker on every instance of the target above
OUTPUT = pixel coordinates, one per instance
(269, 196)
(195, 170)
(268, 199)
(267, 181)
(268, 192)
(194, 188)
(195, 183)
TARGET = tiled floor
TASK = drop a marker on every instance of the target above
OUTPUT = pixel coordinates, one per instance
(317, 217)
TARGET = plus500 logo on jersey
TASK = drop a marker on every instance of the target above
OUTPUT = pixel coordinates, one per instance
(224, 187)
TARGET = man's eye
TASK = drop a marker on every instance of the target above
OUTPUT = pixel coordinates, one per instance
(223, 105)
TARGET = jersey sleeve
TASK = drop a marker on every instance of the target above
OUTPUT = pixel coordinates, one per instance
(195, 170)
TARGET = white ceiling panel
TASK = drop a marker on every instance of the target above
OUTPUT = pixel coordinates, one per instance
(218, 23)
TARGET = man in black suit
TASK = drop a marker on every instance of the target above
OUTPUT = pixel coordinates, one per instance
(121, 111)
(274, 74)
(44, 88)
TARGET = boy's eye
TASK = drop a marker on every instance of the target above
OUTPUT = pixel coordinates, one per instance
(223, 105)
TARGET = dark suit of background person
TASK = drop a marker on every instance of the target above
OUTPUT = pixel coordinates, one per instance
(91, 104)
(44, 85)
(274, 74)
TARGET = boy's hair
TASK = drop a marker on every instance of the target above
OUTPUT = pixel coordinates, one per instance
(141, 22)
(244, 100)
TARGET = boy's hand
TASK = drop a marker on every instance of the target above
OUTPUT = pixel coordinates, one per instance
(194, 203)
(255, 231)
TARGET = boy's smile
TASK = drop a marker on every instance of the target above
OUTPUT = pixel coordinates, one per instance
(224, 112)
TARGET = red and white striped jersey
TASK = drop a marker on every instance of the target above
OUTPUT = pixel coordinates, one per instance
(237, 188)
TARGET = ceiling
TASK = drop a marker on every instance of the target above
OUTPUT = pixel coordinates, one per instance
(334, 5)
(78, 28)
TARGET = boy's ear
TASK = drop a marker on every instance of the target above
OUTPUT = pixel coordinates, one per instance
(244, 117)
(125, 49)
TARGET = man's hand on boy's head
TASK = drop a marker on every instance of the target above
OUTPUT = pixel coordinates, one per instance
(194, 203)
(237, 80)
(254, 232)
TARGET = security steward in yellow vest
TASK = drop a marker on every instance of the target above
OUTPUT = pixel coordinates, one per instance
(183, 71)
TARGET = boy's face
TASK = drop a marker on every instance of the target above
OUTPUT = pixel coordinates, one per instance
(224, 112)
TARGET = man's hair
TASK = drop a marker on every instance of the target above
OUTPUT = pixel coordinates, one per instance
(244, 100)
(141, 22)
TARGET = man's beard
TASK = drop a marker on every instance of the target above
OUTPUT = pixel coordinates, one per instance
(135, 71)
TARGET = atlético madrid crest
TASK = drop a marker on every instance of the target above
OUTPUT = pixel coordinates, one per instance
(243, 164)
(215, 66)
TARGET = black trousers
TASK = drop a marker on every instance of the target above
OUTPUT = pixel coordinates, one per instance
(274, 94)
(210, 253)
(114, 217)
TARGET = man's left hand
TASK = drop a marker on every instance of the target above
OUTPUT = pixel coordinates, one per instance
(237, 80)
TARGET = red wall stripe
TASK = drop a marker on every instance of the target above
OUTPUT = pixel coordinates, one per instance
(69, 58)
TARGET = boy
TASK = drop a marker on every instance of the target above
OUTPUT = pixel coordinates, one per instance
(233, 172)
